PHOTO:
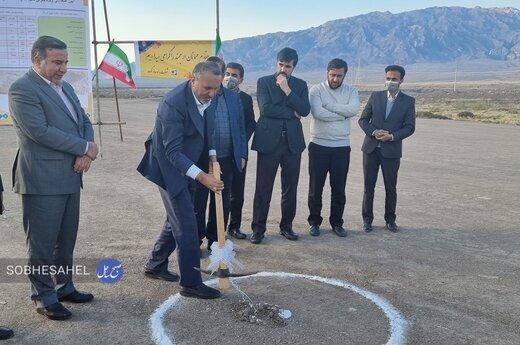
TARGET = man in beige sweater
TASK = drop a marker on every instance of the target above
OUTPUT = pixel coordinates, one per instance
(333, 103)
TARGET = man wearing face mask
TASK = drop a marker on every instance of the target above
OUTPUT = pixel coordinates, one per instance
(333, 103)
(232, 80)
(283, 99)
(231, 147)
(388, 118)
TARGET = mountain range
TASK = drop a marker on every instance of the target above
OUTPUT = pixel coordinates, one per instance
(436, 34)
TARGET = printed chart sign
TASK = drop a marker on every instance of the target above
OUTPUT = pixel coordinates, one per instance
(170, 59)
(23, 21)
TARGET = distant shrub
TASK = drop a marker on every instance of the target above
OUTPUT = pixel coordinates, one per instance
(466, 115)
(431, 115)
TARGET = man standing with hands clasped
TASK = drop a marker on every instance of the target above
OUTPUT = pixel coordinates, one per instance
(55, 146)
(388, 118)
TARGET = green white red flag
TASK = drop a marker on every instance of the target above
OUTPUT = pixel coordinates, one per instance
(218, 47)
(116, 64)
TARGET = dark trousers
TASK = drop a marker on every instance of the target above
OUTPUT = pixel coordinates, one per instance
(266, 169)
(179, 232)
(209, 229)
(334, 161)
(236, 199)
(51, 226)
(389, 167)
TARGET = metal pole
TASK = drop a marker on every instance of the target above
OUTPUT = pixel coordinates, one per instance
(455, 79)
(218, 20)
(113, 79)
(97, 80)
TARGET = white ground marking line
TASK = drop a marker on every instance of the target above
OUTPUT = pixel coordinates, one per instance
(398, 323)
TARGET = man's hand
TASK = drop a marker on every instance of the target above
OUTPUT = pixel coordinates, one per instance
(379, 132)
(281, 81)
(82, 164)
(383, 136)
(210, 182)
(92, 151)
(2, 208)
(243, 163)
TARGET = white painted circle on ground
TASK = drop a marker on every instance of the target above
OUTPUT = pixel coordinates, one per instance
(397, 322)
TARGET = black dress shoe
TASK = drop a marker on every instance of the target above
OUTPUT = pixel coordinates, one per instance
(202, 291)
(166, 275)
(236, 233)
(314, 230)
(55, 311)
(256, 238)
(6, 333)
(289, 234)
(392, 227)
(339, 230)
(367, 227)
(77, 297)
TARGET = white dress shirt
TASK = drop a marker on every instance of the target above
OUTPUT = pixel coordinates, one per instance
(194, 170)
(64, 98)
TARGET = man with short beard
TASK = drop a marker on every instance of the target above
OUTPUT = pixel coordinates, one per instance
(283, 100)
(333, 103)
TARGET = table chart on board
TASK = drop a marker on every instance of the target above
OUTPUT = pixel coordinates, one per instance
(17, 34)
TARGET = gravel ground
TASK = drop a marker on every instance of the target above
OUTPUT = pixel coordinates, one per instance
(452, 271)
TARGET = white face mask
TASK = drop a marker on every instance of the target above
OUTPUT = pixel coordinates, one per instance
(230, 82)
(392, 86)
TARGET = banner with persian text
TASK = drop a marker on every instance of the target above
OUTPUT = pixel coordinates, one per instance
(170, 59)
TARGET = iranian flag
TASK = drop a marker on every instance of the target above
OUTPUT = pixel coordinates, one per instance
(218, 47)
(115, 63)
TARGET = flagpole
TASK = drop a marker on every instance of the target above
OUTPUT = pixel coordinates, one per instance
(218, 25)
(113, 79)
(97, 80)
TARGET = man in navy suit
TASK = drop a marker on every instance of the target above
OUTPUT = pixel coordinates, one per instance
(388, 118)
(283, 99)
(229, 137)
(180, 142)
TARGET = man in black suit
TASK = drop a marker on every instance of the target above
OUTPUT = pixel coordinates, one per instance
(388, 118)
(5, 333)
(181, 139)
(283, 99)
(234, 76)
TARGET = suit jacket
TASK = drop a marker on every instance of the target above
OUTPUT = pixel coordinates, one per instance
(236, 125)
(400, 122)
(278, 110)
(249, 114)
(177, 140)
(49, 139)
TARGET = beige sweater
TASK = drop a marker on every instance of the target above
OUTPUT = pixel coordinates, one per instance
(331, 111)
